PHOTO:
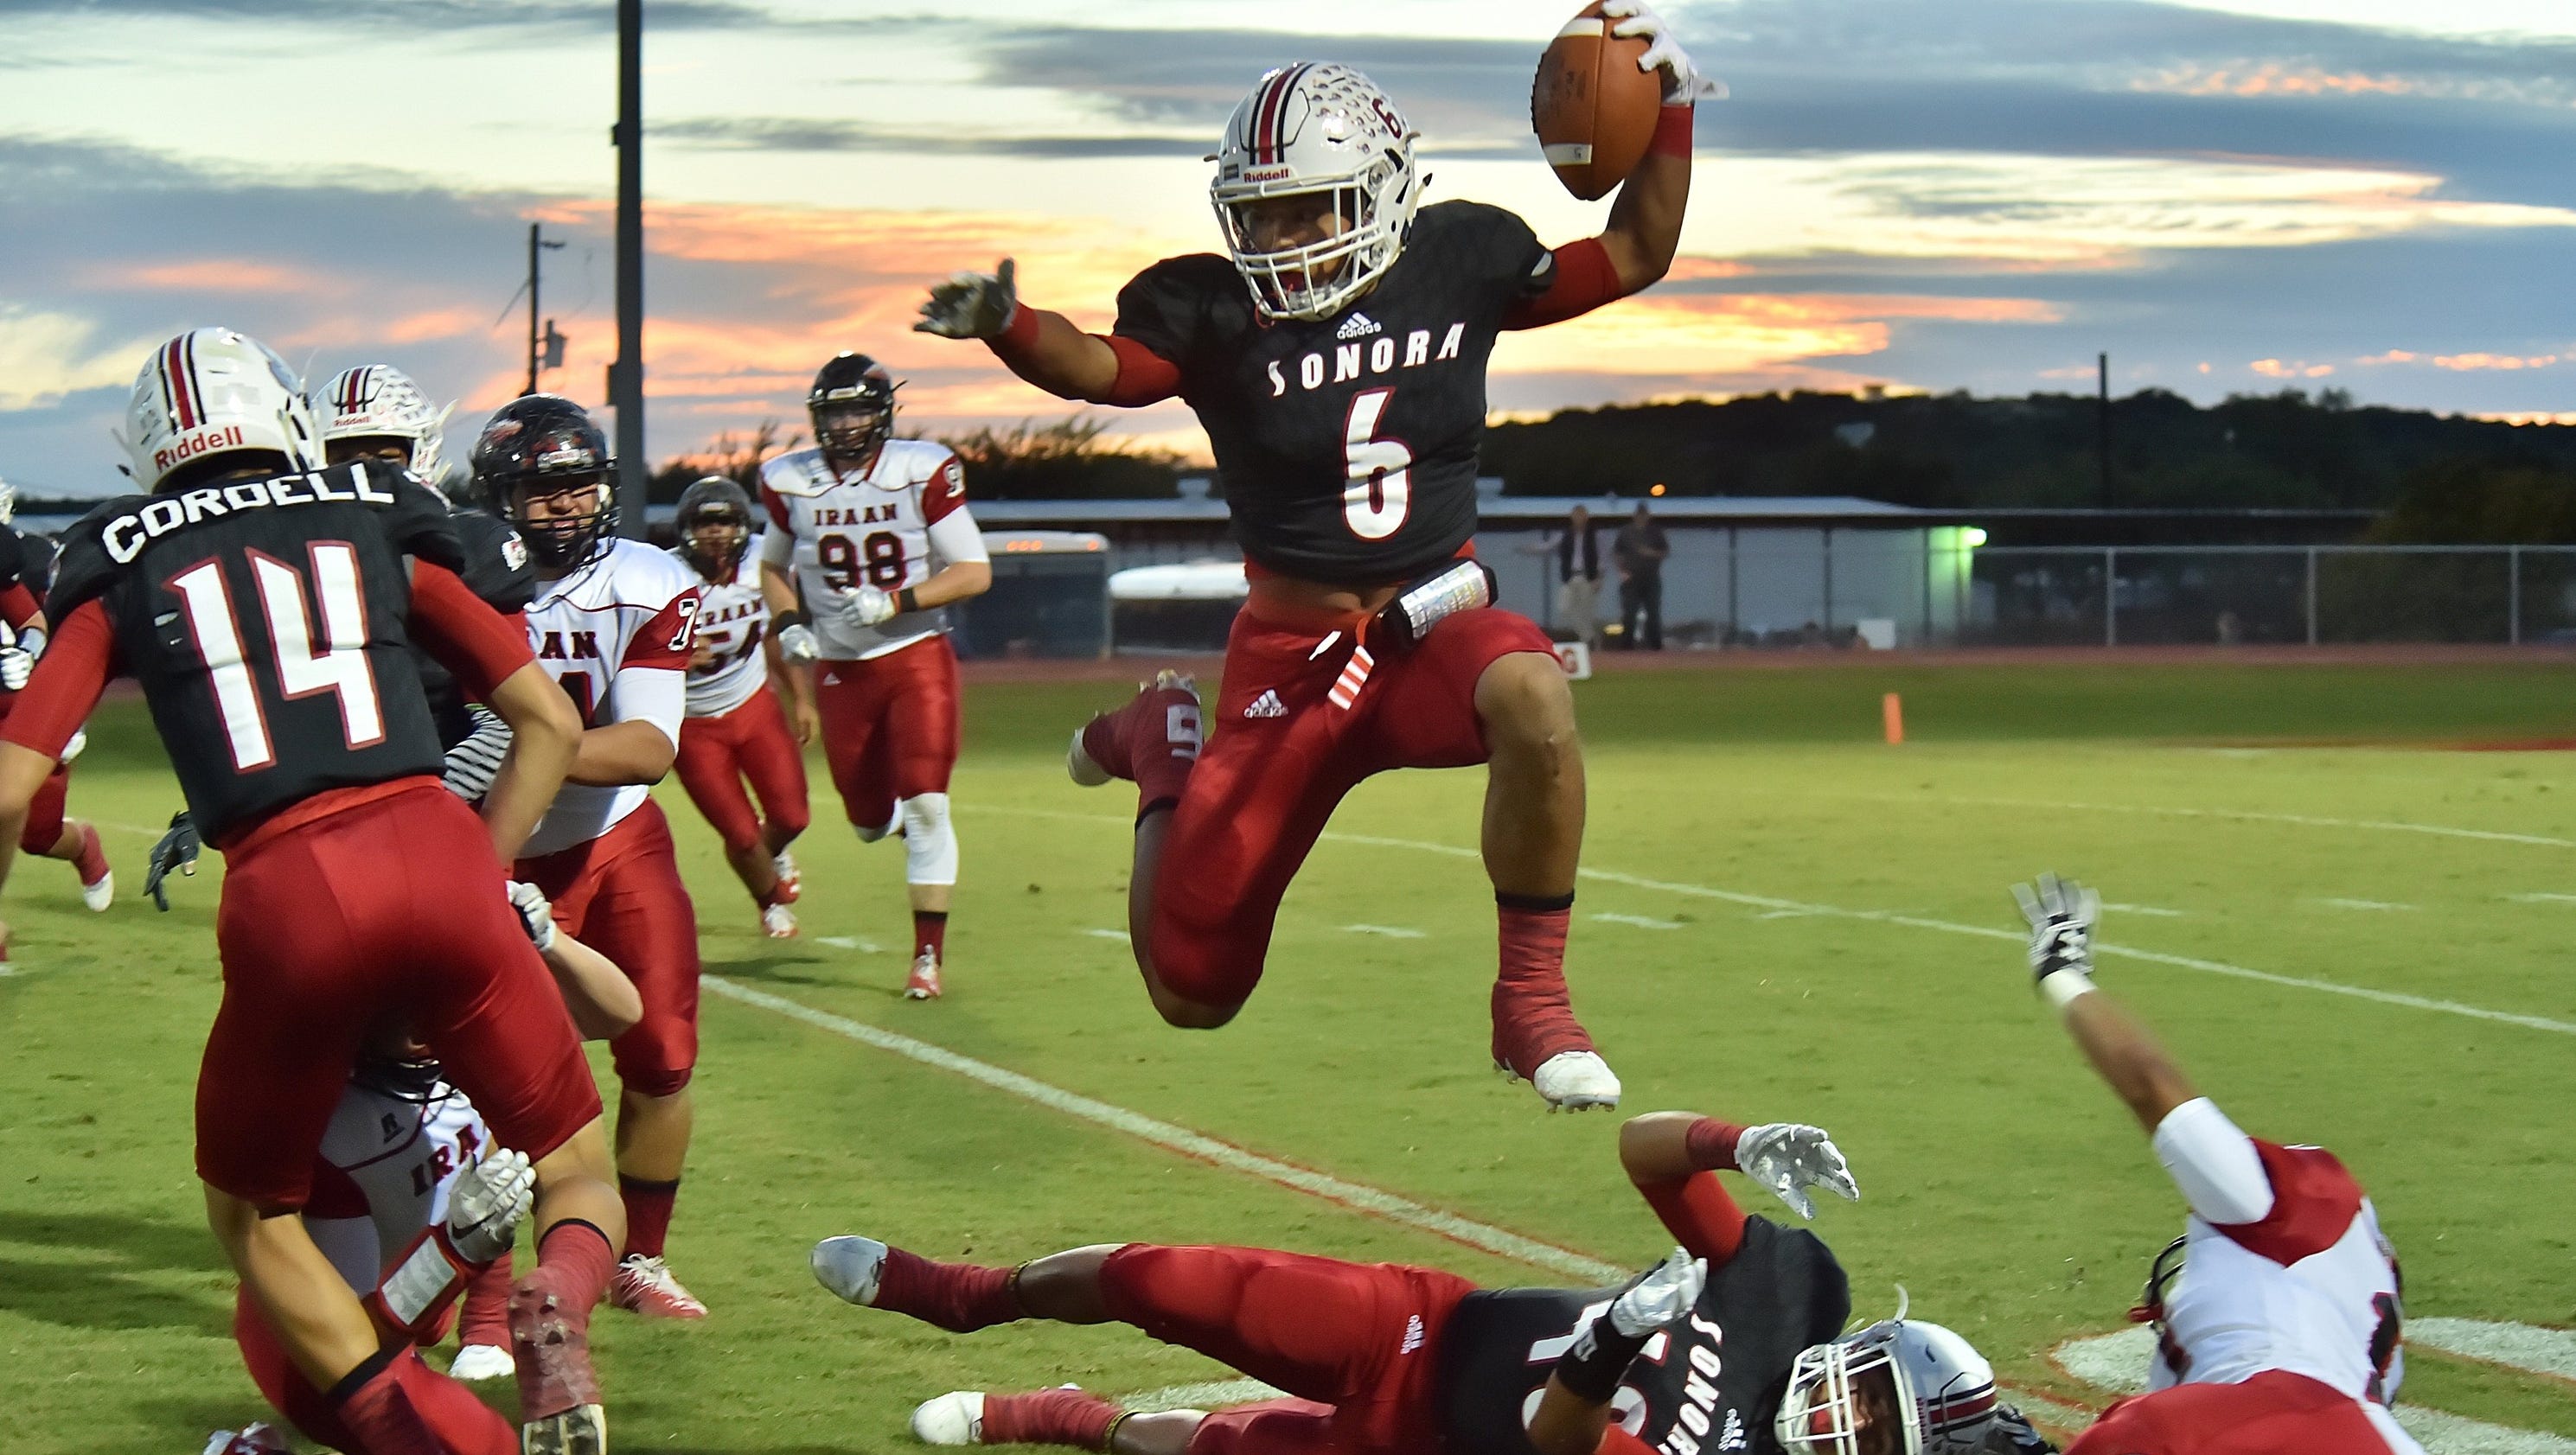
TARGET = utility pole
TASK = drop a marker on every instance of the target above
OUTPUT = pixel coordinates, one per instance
(626, 376)
(2102, 427)
(540, 349)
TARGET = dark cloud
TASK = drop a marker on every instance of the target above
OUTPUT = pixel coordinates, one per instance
(433, 16)
(799, 134)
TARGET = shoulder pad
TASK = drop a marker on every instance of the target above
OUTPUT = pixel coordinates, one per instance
(791, 473)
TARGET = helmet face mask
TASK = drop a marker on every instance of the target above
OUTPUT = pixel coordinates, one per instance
(545, 467)
(714, 525)
(1326, 135)
(851, 405)
(1898, 1387)
(365, 412)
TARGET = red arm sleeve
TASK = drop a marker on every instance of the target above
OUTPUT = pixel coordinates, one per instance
(67, 684)
(18, 604)
(1696, 1209)
(1144, 376)
(1585, 279)
(470, 639)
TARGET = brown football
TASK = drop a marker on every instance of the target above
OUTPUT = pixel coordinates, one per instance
(1594, 111)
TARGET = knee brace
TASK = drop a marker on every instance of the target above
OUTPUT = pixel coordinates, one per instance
(929, 844)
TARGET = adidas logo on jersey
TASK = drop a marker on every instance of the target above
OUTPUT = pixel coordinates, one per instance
(1412, 1333)
(1358, 325)
(1267, 705)
(1732, 1438)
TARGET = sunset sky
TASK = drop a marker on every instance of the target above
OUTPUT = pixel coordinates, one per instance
(2228, 196)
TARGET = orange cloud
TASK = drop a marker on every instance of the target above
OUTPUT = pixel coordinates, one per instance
(1663, 335)
(207, 275)
(2393, 356)
(2469, 362)
(2272, 79)
(2530, 416)
(2300, 369)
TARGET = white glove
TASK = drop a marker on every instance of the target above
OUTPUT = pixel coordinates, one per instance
(1683, 83)
(1662, 1297)
(78, 744)
(2062, 914)
(474, 762)
(536, 916)
(485, 1206)
(796, 643)
(866, 606)
(17, 664)
(971, 305)
(1788, 1158)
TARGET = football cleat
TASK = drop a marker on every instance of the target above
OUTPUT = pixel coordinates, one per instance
(79, 744)
(923, 983)
(849, 1266)
(1084, 769)
(1576, 1081)
(98, 882)
(778, 922)
(952, 1419)
(581, 1430)
(558, 1390)
(255, 1438)
(645, 1286)
(482, 1361)
(791, 883)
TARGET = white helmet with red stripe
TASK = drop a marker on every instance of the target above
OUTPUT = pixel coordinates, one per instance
(379, 401)
(1328, 133)
(212, 392)
(1898, 1387)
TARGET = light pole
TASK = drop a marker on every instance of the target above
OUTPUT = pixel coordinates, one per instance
(626, 376)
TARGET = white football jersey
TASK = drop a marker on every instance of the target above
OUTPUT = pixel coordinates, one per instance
(732, 620)
(2311, 1288)
(617, 635)
(896, 525)
(383, 1174)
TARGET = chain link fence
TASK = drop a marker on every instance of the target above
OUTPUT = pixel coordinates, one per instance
(2317, 595)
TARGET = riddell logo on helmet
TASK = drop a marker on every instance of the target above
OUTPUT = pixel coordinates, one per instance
(1279, 173)
(201, 443)
(567, 455)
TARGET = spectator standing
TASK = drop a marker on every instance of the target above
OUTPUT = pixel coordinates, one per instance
(1578, 578)
(1640, 551)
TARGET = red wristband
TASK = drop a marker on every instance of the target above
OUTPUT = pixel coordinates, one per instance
(1673, 132)
(1018, 334)
(1711, 1144)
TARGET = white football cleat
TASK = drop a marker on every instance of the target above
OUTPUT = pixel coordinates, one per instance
(99, 893)
(849, 1266)
(791, 882)
(952, 1419)
(923, 983)
(778, 922)
(1078, 766)
(482, 1361)
(1576, 1080)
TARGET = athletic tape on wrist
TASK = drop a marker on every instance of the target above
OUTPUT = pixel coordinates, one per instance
(2063, 988)
(421, 1286)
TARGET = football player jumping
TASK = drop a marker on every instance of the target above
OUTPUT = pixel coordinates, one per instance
(869, 538)
(613, 623)
(2277, 1312)
(1733, 1343)
(267, 604)
(48, 833)
(1337, 363)
(735, 730)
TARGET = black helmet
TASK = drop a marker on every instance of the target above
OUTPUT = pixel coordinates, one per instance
(852, 406)
(546, 441)
(715, 503)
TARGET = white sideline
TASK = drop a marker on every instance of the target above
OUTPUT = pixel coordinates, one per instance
(2303, 820)
(1353, 1195)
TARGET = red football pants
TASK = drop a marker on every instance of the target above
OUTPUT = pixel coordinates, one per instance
(753, 742)
(621, 895)
(2274, 1413)
(890, 726)
(1290, 736)
(1358, 1344)
(284, 1386)
(44, 827)
(357, 909)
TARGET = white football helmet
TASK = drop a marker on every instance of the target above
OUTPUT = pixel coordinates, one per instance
(8, 502)
(1324, 130)
(1845, 1398)
(212, 391)
(379, 401)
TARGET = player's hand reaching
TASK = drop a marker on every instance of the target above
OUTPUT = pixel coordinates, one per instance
(474, 762)
(1683, 83)
(17, 664)
(178, 850)
(536, 916)
(971, 305)
(485, 1206)
(866, 606)
(1660, 1296)
(2062, 914)
(1789, 1157)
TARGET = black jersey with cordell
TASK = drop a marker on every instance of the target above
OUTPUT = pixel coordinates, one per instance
(497, 570)
(1707, 1386)
(265, 621)
(1348, 445)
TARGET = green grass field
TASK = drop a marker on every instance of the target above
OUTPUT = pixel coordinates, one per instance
(1795, 938)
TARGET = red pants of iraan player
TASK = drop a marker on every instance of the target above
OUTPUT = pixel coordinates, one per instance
(351, 911)
(2275, 1413)
(284, 1386)
(621, 895)
(1358, 1345)
(751, 742)
(890, 727)
(1306, 712)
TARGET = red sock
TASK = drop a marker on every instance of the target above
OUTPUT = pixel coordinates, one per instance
(930, 934)
(575, 1262)
(92, 860)
(398, 1406)
(958, 1297)
(1533, 1019)
(486, 1319)
(1049, 1417)
(648, 1212)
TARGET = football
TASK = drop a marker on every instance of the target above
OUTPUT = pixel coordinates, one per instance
(1593, 110)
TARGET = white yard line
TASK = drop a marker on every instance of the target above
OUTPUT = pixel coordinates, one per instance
(850, 942)
(1120, 936)
(1642, 922)
(1392, 932)
(2526, 1347)
(2542, 898)
(2147, 910)
(2381, 905)
(2233, 815)
(1353, 1195)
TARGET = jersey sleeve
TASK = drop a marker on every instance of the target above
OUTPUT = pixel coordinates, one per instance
(496, 567)
(85, 570)
(777, 508)
(69, 680)
(1510, 257)
(417, 522)
(1162, 307)
(13, 561)
(954, 537)
(448, 621)
(2314, 1200)
(666, 638)
(944, 491)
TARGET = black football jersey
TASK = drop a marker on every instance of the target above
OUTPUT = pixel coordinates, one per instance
(22, 562)
(1348, 446)
(496, 569)
(1707, 1386)
(265, 621)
